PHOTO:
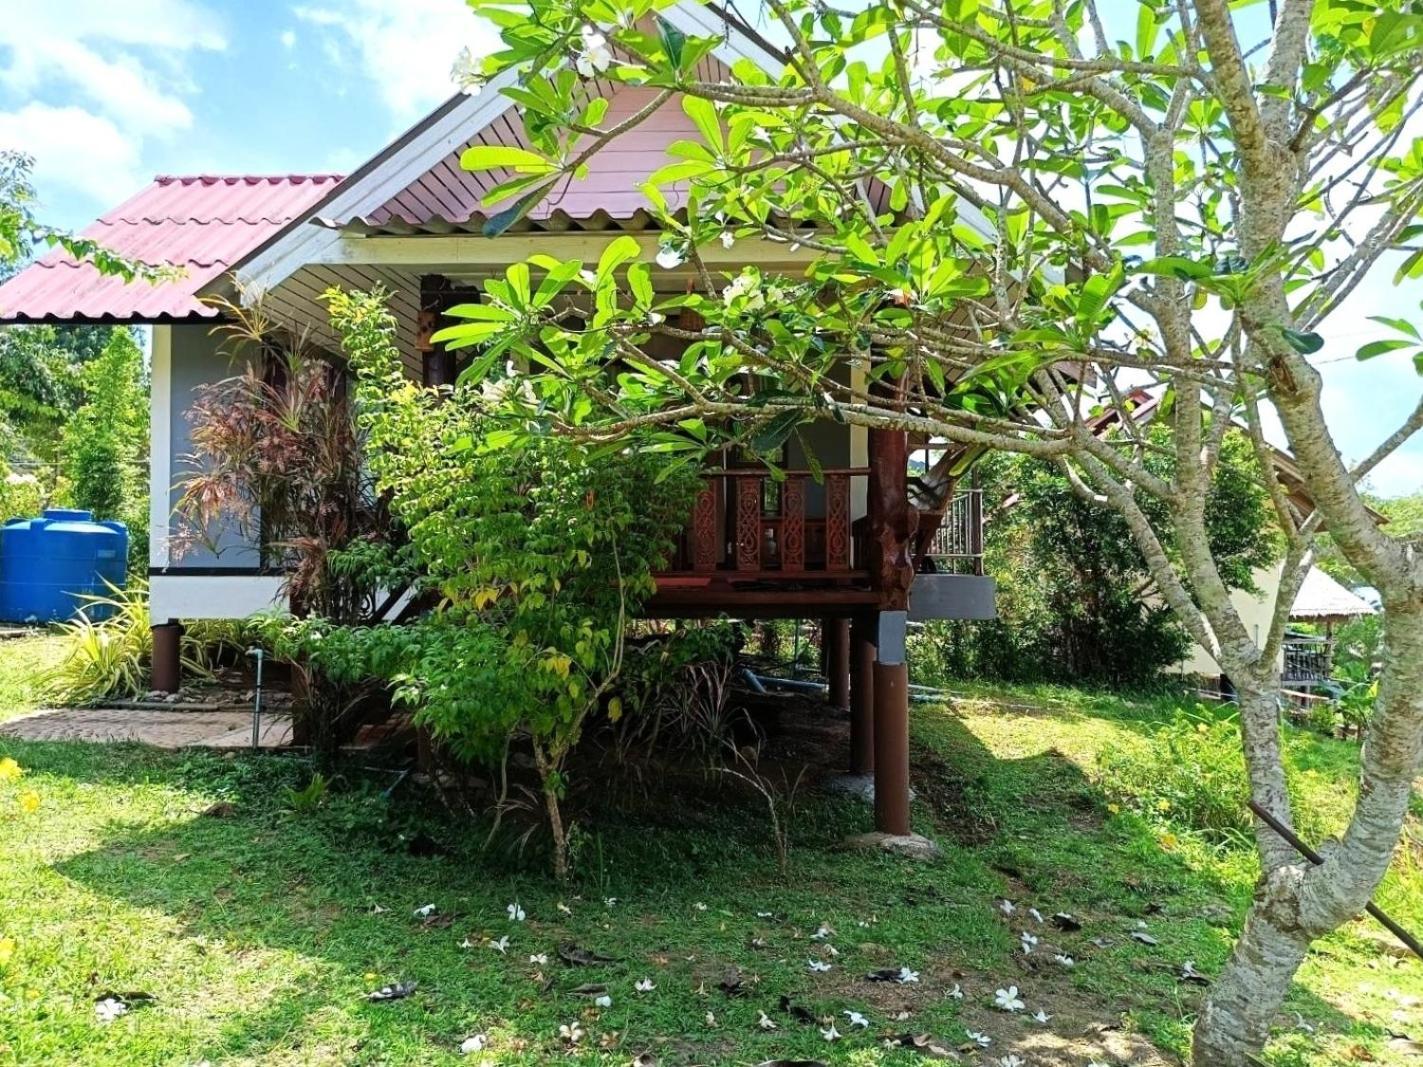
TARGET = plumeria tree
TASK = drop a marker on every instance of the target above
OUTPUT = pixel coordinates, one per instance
(1009, 214)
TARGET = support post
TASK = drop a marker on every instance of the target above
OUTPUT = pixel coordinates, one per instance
(835, 633)
(862, 696)
(891, 684)
(166, 670)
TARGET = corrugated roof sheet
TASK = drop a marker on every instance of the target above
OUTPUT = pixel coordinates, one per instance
(203, 224)
(447, 197)
(1321, 597)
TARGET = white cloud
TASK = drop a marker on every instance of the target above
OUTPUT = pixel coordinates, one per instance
(98, 70)
(404, 47)
(74, 148)
(288, 39)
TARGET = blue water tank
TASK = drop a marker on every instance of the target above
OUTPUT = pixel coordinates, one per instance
(47, 565)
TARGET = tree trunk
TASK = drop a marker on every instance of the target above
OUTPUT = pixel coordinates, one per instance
(1235, 1019)
(548, 776)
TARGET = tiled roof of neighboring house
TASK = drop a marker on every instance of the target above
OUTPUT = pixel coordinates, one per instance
(202, 224)
(1320, 597)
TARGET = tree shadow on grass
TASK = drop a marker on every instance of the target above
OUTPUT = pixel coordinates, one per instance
(332, 895)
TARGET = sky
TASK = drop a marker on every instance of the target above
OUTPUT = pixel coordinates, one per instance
(105, 94)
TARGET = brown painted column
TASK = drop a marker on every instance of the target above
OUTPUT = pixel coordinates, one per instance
(862, 695)
(891, 682)
(835, 633)
(166, 671)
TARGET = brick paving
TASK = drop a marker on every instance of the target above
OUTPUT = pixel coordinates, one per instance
(161, 728)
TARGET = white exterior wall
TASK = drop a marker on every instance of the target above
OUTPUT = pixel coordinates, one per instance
(1255, 612)
(191, 584)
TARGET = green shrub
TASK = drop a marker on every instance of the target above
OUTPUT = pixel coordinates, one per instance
(1189, 775)
(110, 658)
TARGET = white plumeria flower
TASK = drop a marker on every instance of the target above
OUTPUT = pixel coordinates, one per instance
(1037, 915)
(981, 1040)
(765, 915)
(644, 985)
(425, 911)
(711, 1020)
(821, 933)
(595, 56)
(109, 1009)
(1065, 961)
(604, 1001)
(1041, 1016)
(539, 959)
(832, 950)
(856, 1019)
(727, 239)
(466, 943)
(1007, 907)
(907, 977)
(572, 1033)
(699, 906)
(1028, 941)
(610, 902)
(376, 909)
(956, 992)
(830, 1033)
(564, 908)
(465, 72)
(1010, 1060)
(819, 966)
(670, 257)
(765, 1022)
(501, 946)
(1008, 999)
(516, 913)
(470, 1045)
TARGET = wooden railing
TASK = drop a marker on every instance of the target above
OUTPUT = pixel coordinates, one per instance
(751, 524)
(956, 543)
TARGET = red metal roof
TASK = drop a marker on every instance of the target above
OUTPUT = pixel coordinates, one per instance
(203, 224)
(610, 196)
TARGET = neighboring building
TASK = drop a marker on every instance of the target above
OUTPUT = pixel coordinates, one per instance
(410, 220)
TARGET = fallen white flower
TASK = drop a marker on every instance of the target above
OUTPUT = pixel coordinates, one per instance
(1010, 1060)
(425, 911)
(821, 933)
(604, 1001)
(982, 1040)
(1008, 999)
(471, 1045)
(700, 906)
(765, 1022)
(956, 992)
(856, 1019)
(907, 977)
(572, 1033)
(817, 966)
(830, 1034)
(564, 908)
(1037, 915)
(109, 1009)
(1028, 941)
(539, 959)
(501, 946)
(1041, 1016)
(516, 913)
(1007, 907)
(1066, 961)
(644, 985)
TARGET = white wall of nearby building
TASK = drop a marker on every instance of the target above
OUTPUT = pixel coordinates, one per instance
(1255, 611)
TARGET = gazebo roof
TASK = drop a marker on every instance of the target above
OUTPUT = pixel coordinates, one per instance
(1322, 599)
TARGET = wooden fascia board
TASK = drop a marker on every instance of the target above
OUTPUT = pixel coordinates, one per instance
(474, 253)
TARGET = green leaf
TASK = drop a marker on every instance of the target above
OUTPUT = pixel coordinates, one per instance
(493, 156)
(616, 254)
(499, 223)
(1306, 344)
(776, 432)
(702, 112)
(1379, 348)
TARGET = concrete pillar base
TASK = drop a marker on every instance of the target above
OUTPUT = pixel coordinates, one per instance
(910, 846)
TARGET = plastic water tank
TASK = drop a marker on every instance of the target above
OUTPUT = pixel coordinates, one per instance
(47, 565)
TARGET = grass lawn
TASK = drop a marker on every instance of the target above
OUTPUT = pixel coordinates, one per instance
(260, 931)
